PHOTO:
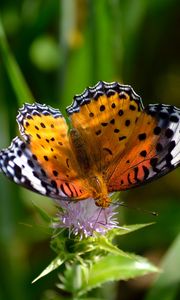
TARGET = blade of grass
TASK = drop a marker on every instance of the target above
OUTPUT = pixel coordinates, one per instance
(167, 284)
(16, 77)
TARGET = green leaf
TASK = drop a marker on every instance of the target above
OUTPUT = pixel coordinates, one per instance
(125, 229)
(58, 261)
(79, 279)
(104, 244)
(116, 267)
(168, 282)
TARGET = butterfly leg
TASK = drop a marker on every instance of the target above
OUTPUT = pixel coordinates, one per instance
(96, 221)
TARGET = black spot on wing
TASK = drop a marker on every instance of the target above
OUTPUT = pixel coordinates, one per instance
(142, 136)
(17, 172)
(146, 172)
(108, 151)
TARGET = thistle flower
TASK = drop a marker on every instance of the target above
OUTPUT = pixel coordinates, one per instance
(83, 218)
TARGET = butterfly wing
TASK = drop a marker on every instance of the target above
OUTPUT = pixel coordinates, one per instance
(130, 145)
(153, 151)
(105, 116)
(43, 162)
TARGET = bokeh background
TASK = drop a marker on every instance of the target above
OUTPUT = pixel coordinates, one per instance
(61, 47)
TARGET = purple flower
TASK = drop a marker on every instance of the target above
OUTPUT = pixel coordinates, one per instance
(83, 218)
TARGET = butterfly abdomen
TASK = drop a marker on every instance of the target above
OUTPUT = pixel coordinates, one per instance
(80, 150)
(95, 183)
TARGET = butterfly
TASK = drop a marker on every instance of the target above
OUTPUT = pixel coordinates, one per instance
(113, 144)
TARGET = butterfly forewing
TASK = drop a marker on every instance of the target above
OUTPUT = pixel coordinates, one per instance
(105, 116)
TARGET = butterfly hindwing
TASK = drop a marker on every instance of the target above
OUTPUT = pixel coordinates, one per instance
(19, 165)
(153, 150)
(44, 162)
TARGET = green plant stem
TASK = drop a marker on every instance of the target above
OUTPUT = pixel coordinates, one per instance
(16, 77)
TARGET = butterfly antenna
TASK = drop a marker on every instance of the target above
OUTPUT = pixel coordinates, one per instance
(149, 212)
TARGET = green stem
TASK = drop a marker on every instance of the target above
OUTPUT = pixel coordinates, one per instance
(16, 77)
(66, 26)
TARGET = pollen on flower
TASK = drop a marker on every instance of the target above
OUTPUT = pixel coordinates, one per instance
(84, 218)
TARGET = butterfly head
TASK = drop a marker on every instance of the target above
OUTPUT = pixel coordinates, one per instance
(103, 201)
(98, 190)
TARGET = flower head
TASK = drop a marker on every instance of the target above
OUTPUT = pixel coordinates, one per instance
(84, 217)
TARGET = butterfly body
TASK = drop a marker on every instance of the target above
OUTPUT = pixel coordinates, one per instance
(95, 181)
(114, 144)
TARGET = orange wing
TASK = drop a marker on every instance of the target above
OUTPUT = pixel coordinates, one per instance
(105, 116)
(129, 145)
(152, 151)
(45, 162)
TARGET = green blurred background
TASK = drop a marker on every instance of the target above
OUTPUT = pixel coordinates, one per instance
(62, 47)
